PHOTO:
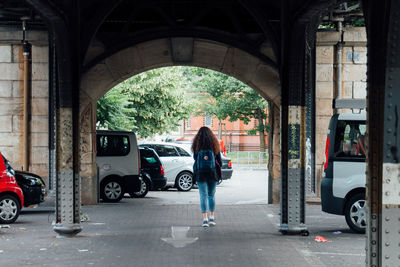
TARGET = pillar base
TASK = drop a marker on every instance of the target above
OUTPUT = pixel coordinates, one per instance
(291, 229)
(68, 230)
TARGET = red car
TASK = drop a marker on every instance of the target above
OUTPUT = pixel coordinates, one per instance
(11, 196)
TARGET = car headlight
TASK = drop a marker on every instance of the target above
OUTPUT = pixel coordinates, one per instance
(33, 180)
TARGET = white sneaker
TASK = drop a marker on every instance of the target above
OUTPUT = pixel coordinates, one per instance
(212, 222)
(205, 223)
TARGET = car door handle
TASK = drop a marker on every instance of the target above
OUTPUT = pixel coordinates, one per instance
(106, 167)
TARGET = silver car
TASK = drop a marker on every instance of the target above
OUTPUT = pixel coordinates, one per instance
(177, 161)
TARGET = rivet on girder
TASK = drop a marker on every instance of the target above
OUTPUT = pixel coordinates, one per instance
(387, 193)
(374, 217)
(387, 244)
(387, 219)
(387, 257)
(373, 242)
(387, 231)
(389, 130)
(373, 229)
(374, 255)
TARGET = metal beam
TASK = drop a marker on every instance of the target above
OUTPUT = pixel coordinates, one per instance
(383, 169)
(293, 126)
(65, 38)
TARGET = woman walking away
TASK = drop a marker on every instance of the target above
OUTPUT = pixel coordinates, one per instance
(206, 153)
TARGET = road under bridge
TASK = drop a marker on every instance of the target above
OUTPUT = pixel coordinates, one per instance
(94, 45)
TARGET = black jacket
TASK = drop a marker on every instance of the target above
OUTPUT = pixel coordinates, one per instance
(201, 177)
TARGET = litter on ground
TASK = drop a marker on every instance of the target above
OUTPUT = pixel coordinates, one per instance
(320, 239)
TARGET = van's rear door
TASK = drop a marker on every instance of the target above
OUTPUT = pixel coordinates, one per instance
(348, 155)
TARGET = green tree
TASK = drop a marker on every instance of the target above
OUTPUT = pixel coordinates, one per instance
(230, 98)
(113, 112)
(156, 101)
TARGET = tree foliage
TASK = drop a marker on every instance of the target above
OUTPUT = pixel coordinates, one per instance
(231, 99)
(155, 103)
(113, 111)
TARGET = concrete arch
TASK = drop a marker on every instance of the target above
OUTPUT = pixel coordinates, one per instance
(155, 54)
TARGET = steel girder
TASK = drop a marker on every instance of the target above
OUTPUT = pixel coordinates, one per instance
(383, 169)
(66, 79)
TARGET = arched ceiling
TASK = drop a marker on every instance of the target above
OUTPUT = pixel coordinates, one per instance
(100, 30)
(245, 24)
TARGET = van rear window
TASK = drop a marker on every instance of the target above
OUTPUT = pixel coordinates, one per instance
(112, 145)
(350, 139)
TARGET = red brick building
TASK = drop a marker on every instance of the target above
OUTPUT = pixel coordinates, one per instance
(234, 134)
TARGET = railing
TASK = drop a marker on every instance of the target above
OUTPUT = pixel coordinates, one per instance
(249, 159)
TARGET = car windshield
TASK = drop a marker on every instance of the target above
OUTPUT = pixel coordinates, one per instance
(7, 164)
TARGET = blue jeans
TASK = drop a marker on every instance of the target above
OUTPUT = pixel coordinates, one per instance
(207, 192)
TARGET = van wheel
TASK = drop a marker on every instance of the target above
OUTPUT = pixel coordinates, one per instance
(144, 189)
(355, 213)
(112, 190)
(184, 181)
(9, 209)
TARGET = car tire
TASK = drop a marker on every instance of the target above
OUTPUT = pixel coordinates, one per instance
(184, 181)
(355, 213)
(112, 190)
(144, 189)
(9, 209)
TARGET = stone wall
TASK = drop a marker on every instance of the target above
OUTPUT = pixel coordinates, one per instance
(11, 100)
(353, 80)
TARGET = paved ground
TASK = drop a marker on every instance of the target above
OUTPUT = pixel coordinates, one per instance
(158, 231)
(245, 187)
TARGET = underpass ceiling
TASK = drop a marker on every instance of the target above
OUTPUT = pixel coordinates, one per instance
(117, 24)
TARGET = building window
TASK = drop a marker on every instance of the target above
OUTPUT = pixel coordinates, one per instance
(188, 123)
(208, 120)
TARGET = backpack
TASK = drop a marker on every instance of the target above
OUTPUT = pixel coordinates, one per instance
(205, 160)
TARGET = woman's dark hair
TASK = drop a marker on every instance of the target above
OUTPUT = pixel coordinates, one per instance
(205, 139)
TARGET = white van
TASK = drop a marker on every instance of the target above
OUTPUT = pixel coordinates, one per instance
(119, 164)
(344, 178)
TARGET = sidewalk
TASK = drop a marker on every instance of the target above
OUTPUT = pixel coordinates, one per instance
(137, 232)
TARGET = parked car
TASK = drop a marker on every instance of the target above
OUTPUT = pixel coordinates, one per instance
(226, 167)
(33, 187)
(177, 162)
(11, 195)
(119, 164)
(343, 181)
(152, 172)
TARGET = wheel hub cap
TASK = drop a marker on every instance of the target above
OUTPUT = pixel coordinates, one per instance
(8, 209)
(185, 181)
(357, 213)
(113, 190)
